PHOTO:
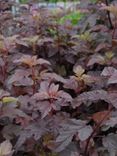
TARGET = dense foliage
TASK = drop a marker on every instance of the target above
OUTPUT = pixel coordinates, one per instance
(58, 81)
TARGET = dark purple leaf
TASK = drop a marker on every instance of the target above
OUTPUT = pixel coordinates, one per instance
(110, 143)
(71, 128)
(91, 96)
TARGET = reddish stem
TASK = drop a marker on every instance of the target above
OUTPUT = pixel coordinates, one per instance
(109, 18)
(114, 30)
(4, 69)
(34, 81)
(94, 131)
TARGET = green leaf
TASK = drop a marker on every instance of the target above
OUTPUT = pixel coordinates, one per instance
(9, 99)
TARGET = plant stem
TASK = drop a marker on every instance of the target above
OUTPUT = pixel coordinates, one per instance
(34, 81)
(114, 29)
(94, 131)
(109, 18)
(4, 69)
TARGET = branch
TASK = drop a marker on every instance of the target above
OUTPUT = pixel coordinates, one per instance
(95, 131)
(108, 13)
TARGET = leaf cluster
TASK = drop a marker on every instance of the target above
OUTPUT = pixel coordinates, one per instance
(58, 83)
